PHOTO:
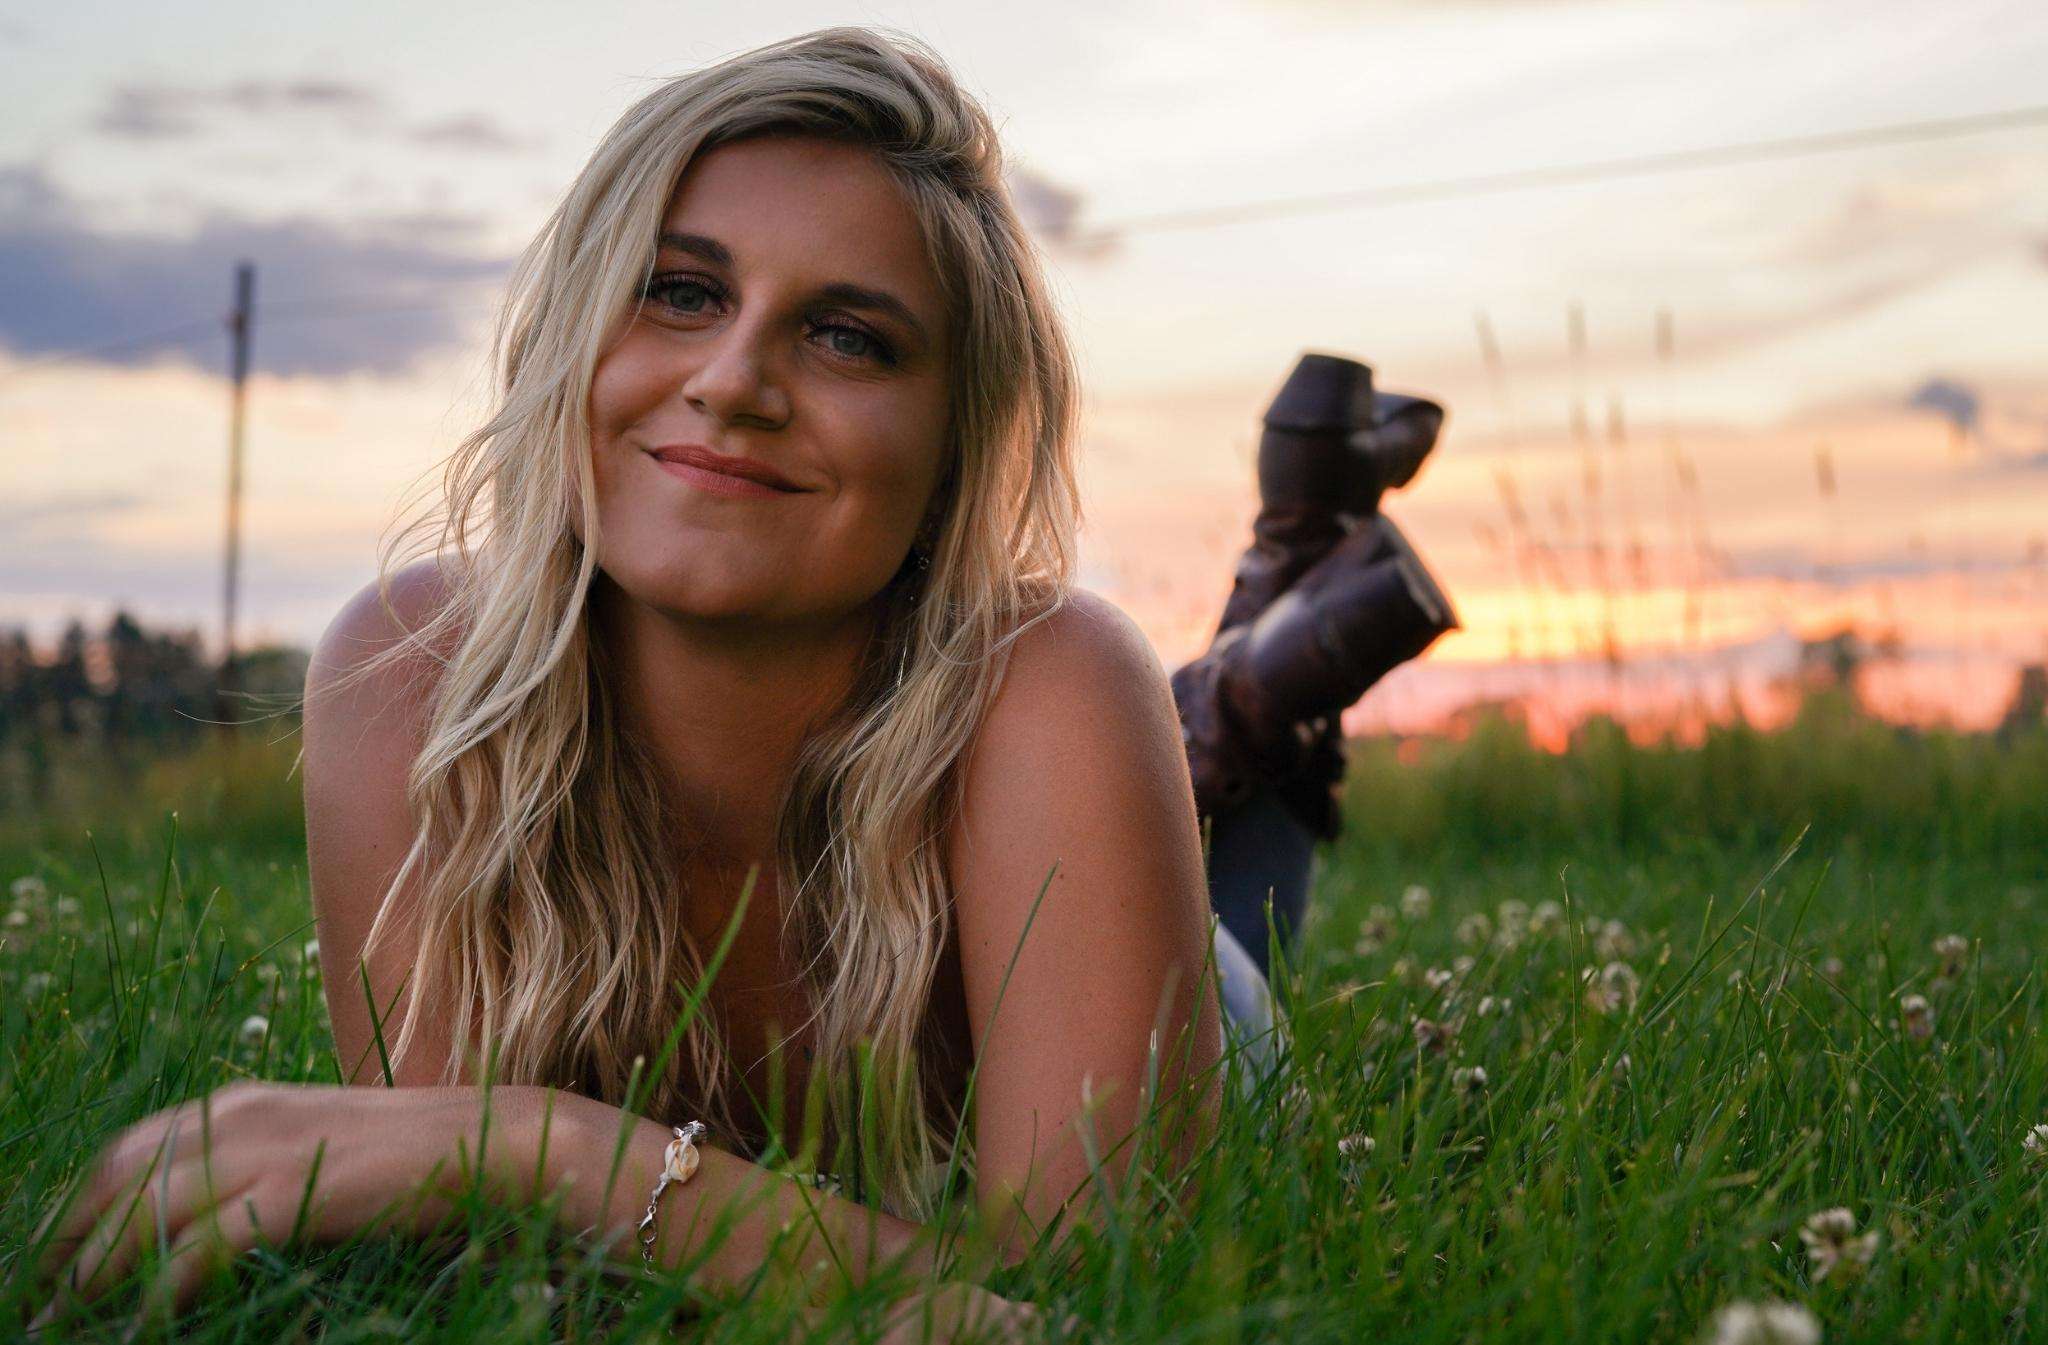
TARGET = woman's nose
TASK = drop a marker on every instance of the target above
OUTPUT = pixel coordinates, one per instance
(735, 383)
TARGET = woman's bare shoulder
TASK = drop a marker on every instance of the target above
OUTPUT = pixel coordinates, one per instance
(1086, 652)
(349, 679)
(1082, 686)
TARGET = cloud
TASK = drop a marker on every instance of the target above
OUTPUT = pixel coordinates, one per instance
(160, 112)
(331, 300)
(1796, 564)
(1959, 405)
(472, 132)
(64, 505)
(2010, 436)
(170, 111)
(1053, 213)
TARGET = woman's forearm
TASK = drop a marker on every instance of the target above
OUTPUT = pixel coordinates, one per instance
(726, 1222)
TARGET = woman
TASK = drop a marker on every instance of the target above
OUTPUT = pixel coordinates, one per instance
(743, 694)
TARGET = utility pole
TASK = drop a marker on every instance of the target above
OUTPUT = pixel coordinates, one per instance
(238, 337)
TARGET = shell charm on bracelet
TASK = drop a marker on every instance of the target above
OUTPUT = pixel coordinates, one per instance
(680, 1159)
(678, 1164)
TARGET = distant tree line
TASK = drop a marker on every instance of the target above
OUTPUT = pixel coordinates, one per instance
(130, 684)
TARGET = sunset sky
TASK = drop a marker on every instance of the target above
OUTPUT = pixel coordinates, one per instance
(1857, 380)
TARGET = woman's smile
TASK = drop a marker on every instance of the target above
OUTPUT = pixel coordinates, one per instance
(722, 474)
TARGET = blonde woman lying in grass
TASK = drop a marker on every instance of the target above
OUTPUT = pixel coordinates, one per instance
(732, 748)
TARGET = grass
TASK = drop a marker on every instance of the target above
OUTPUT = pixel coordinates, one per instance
(1644, 1150)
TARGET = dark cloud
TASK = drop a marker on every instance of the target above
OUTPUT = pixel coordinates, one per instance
(1053, 213)
(1954, 402)
(331, 300)
(2009, 437)
(173, 111)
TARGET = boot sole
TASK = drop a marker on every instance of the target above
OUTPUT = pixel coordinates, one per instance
(1422, 585)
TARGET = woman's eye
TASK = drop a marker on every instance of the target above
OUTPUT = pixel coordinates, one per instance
(863, 344)
(669, 290)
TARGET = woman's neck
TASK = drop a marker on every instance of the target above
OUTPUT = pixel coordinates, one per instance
(723, 708)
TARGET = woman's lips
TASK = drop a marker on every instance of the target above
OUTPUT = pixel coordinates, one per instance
(718, 474)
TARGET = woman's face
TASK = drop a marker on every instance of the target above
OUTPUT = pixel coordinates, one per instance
(769, 429)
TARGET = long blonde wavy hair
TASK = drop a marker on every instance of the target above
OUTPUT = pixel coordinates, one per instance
(545, 903)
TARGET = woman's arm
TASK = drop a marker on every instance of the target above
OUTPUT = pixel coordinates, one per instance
(1079, 773)
(279, 1164)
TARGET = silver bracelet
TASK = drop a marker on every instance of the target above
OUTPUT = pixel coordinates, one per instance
(678, 1165)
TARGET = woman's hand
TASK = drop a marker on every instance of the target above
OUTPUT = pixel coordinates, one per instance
(948, 1313)
(957, 1310)
(270, 1164)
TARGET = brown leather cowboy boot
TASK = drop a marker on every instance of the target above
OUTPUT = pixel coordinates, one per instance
(1330, 449)
(1261, 703)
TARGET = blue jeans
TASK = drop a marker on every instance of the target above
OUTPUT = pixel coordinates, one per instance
(1257, 850)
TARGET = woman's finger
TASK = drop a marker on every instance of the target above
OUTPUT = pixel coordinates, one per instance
(140, 1151)
(203, 1248)
(160, 1209)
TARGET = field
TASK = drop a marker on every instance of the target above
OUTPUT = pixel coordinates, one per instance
(1581, 1044)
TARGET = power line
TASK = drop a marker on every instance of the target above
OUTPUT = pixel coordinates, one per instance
(1596, 170)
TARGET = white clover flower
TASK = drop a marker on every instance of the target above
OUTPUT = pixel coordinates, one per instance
(1437, 978)
(1432, 1036)
(1475, 929)
(65, 906)
(1954, 952)
(311, 951)
(16, 918)
(1916, 1017)
(1469, 1082)
(1494, 1006)
(28, 888)
(1831, 968)
(254, 1029)
(1462, 964)
(1767, 1323)
(1512, 914)
(1547, 918)
(1622, 1065)
(1612, 989)
(1415, 902)
(1832, 1243)
(1376, 930)
(533, 1294)
(1357, 1147)
(1614, 941)
(2035, 1144)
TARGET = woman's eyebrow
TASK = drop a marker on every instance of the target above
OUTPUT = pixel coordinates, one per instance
(839, 291)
